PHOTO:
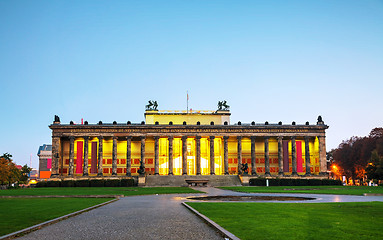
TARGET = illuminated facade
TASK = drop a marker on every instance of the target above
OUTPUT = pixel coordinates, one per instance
(187, 143)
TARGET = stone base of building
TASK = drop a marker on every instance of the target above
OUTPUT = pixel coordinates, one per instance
(179, 180)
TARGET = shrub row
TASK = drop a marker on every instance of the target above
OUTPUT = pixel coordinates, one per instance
(293, 182)
(88, 183)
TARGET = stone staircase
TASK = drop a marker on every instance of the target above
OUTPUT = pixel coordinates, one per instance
(179, 180)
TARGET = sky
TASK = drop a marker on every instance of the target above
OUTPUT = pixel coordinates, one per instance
(270, 60)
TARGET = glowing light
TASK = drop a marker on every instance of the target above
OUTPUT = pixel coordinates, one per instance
(32, 181)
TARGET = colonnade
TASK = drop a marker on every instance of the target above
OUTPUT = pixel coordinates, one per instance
(322, 155)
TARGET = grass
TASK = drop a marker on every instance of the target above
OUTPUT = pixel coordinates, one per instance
(19, 213)
(342, 190)
(297, 221)
(126, 191)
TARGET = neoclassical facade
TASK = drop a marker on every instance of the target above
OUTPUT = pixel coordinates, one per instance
(187, 143)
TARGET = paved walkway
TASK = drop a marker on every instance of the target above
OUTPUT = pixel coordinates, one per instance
(155, 217)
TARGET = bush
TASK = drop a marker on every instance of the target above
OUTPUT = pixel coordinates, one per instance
(67, 183)
(293, 182)
(127, 182)
(82, 183)
(96, 183)
(41, 184)
(257, 182)
(112, 183)
(315, 182)
(53, 184)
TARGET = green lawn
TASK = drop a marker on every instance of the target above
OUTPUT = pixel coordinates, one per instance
(127, 191)
(19, 213)
(343, 190)
(297, 221)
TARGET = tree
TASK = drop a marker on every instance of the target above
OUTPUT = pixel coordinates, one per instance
(25, 170)
(374, 168)
(8, 171)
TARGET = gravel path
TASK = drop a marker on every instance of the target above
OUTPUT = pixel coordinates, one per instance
(138, 217)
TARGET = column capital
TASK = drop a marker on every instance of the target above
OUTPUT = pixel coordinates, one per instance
(156, 137)
(184, 138)
(85, 137)
(114, 137)
(225, 137)
(280, 138)
(143, 137)
(239, 137)
(100, 137)
(170, 138)
(266, 137)
(212, 137)
(293, 138)
(128, 137)
(321, 137)
(198, 137)
(71, 137)
(253, 137)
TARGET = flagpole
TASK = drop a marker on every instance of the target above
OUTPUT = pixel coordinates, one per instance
(187, 102)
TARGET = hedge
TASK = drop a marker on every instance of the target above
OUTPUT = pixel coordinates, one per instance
(293, 182)
(88, 183)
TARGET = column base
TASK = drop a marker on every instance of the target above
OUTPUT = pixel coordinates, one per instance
(198, 173)
(308, 175)
(171, 174)
(281, 174)
(226, 173)
(324, 174)
(212, 173)
(100, 175)
(114, 174)
(85, 174)
(294, 174)
(254, 174)
(184, 174)
(55, 175)
(156, 174)
(128, 174)
(267, 174)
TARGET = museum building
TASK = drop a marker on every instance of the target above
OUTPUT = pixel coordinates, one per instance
(187, 143)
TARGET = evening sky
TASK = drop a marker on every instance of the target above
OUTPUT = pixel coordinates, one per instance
(271, 60)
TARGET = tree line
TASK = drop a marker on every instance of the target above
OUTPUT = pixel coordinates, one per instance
(360, 156)
(9, 173)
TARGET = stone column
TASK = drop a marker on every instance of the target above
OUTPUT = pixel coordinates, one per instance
(280, 156)
(85, 167)
(170, 155)
(212, 167)
(114, 157)
(71, 156)
(156, 156)
(56, 146)
(142, 161)
(226, 154)
(198, 153)
(253, 166)
(184, 155)
(294, 157)
(239, 154)
(322, 155)
(128, 156)
(267, 157)
(100, 156)
(307, 156)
